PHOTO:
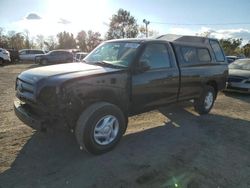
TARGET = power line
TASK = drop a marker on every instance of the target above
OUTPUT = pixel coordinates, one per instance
(200, 24)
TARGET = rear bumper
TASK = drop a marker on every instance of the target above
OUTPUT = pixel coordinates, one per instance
(23, 112)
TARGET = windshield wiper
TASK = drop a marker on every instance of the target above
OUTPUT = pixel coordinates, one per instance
(107, 64)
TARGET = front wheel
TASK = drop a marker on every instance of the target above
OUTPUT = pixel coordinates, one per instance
(100, 127)
(204, 104)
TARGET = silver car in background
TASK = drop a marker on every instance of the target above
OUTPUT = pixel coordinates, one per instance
(239, 76)
(29, 54)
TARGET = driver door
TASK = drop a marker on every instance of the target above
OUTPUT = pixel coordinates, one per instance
(160, 83)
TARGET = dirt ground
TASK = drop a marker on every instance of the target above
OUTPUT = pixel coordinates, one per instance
(172, 147)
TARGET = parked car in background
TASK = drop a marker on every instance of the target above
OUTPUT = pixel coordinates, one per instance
(231, 59)
(29, 54)
(14, 55)
(55, 56)
(239, 76)
(4, 56)
(74, 51)
(79, 56)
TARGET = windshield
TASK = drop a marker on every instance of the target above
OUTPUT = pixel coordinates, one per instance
(114, 53)
(243, 64)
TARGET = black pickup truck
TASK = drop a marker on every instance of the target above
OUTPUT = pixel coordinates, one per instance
(118, 79)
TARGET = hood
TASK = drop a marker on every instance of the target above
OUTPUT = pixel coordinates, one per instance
(63, 70)
(238, 72)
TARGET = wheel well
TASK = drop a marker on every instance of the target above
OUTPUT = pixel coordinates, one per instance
(80, 103)
(214, 85)
(109, 97)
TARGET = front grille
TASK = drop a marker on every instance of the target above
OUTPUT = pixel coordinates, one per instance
(24, 90)
(235, 79)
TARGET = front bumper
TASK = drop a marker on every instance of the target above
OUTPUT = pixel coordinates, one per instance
(238, 87)
(24, 113)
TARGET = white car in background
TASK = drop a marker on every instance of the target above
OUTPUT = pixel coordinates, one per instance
(29, 54)
(4, 56)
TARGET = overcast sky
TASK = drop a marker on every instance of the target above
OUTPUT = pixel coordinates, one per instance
(225, 18)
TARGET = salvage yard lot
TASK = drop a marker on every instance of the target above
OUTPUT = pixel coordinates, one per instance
(167, 148)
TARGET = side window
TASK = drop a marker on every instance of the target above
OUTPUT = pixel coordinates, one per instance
(32, 51)
(53, 53)
(156, 56)
(189, 54)
(217, 50)
(38, 52)
(22, 52)
(192, 55)
(66, 54)
(203, 55)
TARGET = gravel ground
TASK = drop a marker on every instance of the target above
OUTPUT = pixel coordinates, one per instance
(171, 147)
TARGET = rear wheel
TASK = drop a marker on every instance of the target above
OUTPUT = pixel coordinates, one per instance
(204, 104)
(100, 127)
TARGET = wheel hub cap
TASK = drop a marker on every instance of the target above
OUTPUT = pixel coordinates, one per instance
(106, 130)
(209, 100)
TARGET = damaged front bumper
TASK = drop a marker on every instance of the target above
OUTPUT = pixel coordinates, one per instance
(25, 114)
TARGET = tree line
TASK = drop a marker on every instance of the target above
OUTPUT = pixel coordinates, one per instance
(234, 47)
(122, 25)
(86, 41)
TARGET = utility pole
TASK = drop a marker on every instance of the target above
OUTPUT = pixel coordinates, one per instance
(146, 23)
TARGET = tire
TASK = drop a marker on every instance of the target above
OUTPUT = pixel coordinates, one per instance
(43, 62)
(204, 104)
(96, 136)
(1, 61)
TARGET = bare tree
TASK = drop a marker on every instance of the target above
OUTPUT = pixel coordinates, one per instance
(50, 43)
(40, 41)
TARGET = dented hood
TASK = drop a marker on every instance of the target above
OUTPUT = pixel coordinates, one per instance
(63, 70)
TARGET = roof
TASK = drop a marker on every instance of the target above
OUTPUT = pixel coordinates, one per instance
(183, 38)
(127, 40)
